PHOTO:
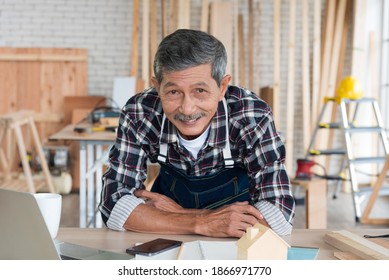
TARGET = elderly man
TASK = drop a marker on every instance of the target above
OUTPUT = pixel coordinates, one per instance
(222, 160)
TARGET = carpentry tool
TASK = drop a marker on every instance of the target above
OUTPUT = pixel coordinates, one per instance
(303, 171)
(92, 129)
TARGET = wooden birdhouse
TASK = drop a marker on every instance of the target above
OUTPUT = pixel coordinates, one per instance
(262, 243)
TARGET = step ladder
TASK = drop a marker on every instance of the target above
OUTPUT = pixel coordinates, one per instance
(348, 125)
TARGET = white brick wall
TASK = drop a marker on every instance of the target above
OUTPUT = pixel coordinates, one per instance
(104, 27)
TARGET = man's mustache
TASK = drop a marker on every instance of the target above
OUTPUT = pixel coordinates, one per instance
(185, 118)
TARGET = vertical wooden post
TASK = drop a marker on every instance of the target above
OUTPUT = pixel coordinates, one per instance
(290, 87)
(134, 39)
(316, 62)
(305, 75)
(276, 60)
(204, 15)
(145, 42)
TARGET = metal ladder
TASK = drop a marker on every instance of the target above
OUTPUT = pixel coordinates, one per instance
(349, 127)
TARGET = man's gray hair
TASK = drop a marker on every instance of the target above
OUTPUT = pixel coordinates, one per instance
(187, 48)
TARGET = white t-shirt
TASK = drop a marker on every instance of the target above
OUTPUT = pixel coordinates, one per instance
(194, 145)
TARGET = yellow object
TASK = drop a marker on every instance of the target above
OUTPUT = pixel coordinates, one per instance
(349, 88)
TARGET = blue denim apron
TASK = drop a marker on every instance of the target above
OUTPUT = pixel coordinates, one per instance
(203, 192)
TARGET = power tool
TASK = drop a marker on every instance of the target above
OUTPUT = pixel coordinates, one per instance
(303, 171)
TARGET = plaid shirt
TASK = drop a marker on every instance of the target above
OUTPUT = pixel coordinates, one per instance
(255, 146)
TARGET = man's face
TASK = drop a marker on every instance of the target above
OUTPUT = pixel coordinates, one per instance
(190, 98)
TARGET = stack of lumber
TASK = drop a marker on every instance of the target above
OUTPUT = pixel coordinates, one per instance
(352, 246)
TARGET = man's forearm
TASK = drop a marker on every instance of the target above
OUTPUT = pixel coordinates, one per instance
(146, 218)
(228, 221)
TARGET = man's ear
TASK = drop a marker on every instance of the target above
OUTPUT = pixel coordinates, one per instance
(155, 83)
(224, 85)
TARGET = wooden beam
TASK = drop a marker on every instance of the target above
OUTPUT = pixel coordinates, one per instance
(349, 242)
(337, 67)
(153, 34)
(358, 45)
(183, 20)
(306, 99)
(134, 38)
(276, 60)
(327, 51)
(43, 57)
(257, 48)
(289, 143)
(250, 44)
(221, 28)
(316, 62)
(242, 76)
(145, 41)
(365, 219)
(236, 43)
(204, 16)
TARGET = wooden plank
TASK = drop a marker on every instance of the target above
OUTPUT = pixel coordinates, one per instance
(339, 25)
(204, 16)
(338, 75)
(242, 76)
(42, 57)
(326, 52)
(267, 95)
(221, 28)
(257, 48)
(134, 38)
(164, 16)
(306, 98)
(289, 143)
(365, 219)
(349, 242)
(183, 21)
(358, 65)
(316, 62)
(276, 60)
(327, 44)
(173, 16)
(153, 21)
(236, 43)
(145, 42)
(346, 256)
(250, 44)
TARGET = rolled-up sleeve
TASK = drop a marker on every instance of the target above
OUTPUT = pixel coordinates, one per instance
(126, 173)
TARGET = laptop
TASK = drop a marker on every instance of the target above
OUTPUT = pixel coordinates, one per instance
(25, 236)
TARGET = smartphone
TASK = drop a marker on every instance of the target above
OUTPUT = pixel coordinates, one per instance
(154, 247)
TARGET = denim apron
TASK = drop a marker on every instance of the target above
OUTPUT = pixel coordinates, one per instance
(226, 186)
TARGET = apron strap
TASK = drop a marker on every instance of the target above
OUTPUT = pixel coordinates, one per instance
(162, 156)
(228, 161)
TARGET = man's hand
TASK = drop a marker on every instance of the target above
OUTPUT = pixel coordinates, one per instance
(230, 220)
(159, 201)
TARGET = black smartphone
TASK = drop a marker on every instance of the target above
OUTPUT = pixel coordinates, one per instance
(154, 247)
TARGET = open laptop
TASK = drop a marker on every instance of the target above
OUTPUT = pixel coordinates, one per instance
(25, 236)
